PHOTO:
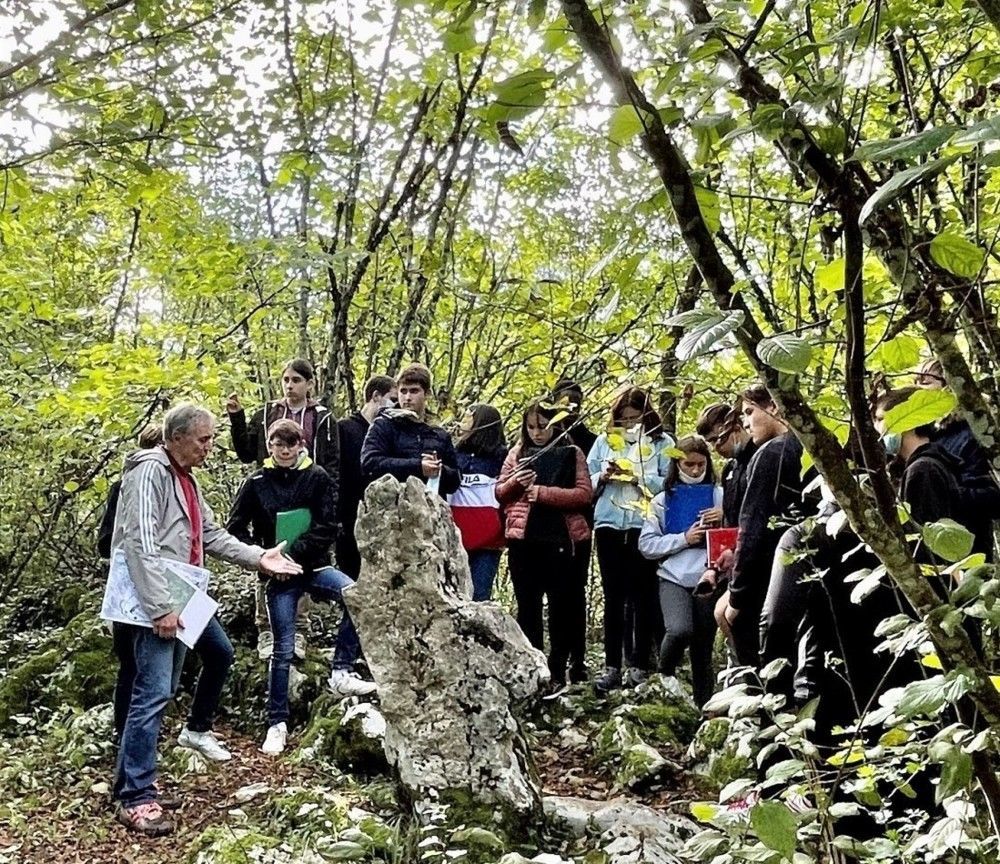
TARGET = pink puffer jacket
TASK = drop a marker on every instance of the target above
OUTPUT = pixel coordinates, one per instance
(511, 496)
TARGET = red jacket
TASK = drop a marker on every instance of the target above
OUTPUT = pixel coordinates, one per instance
(574, 502)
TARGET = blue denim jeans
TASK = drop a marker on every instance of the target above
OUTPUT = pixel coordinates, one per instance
(483, 564)
(216, 654)
(157, 668)
(327, 583)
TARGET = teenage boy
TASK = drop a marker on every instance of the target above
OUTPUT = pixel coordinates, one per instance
(720, 426)
(322, 441)
(290, 481)
(400, 442)
(568, 395)
(379, 392)
(774, 490)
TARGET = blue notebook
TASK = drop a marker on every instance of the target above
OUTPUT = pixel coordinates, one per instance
(683, 505)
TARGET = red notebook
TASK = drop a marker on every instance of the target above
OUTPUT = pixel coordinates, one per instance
(719, 540)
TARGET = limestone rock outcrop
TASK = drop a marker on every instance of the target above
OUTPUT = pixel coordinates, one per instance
(450, 672)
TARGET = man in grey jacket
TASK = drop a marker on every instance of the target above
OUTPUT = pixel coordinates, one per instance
(161, 514)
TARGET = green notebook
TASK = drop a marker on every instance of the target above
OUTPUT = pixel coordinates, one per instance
(292, 524)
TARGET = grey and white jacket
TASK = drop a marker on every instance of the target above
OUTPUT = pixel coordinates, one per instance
(153, 522)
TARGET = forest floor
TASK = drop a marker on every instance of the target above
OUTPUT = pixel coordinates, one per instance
(55, 814)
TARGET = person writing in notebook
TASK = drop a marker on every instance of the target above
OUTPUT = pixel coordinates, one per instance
(289, 499)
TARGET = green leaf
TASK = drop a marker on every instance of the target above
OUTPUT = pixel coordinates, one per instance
(947, 539)
(706, 327)
(626, 122)
(930, 695)
(899, 183)
(830, 277)
(536, 13)
(897, 355)
(775, 826)
(906, 147)
(460, 36)
(704, 811)
(921, 408)
(985, 130)
(711, 209)
(957, 254)
(785, 352)
(956, 774)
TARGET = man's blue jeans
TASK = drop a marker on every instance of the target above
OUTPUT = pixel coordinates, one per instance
(327, 583)
(158, 665)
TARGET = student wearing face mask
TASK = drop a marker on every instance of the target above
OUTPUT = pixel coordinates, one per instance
(674, 536)
(929, 485)
(627, 465)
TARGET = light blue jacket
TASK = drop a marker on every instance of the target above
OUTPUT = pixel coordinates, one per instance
(679, 562)
(617, 502)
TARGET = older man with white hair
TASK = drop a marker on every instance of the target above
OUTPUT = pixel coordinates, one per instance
(161, 514)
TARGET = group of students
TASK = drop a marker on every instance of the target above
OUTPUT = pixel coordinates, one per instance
(557, 490)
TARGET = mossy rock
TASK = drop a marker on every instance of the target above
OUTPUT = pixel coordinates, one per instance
(222, 844)
(510, 826)
(307, 811)
(717, 760)
(666, 722)
(74, 667)
(342, 735)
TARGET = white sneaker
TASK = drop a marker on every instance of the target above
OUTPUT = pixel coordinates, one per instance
(300, 646)
(205, 743)
(265, 644)
(345, 683)
(274, 743)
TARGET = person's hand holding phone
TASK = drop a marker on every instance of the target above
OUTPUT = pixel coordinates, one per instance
(430, 464)
(711, 518)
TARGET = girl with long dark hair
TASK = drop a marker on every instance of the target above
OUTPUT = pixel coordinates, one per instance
(545, 488)
(627, 464)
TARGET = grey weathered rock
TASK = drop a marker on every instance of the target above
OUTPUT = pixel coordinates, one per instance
(449, 671)
(629, 832)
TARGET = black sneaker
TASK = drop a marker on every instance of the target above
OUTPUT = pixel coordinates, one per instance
(578, 674)
(555, 689)
(610, 680)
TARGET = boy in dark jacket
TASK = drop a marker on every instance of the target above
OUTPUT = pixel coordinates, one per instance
(380, 392)
(774, 490)
(401, 442)
(322, 442)
(291, 481)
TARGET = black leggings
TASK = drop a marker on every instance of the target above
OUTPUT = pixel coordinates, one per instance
(546, 571)
(632, 621)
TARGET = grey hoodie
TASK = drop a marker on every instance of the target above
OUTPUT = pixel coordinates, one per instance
(153, 522)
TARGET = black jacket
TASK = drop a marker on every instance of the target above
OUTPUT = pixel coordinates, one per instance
(978, 492)
(930, 485)
(272, 490)
(582, 437)
(774, 489)
(107, 527)
(734, 484)
(250, 439)
(394, 445)
(352, 431)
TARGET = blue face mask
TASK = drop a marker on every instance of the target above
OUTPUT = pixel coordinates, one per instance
(892, 441)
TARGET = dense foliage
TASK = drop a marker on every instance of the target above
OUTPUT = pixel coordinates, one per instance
(682, 194)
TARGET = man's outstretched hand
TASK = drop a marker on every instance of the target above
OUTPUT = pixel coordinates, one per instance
(274, 563)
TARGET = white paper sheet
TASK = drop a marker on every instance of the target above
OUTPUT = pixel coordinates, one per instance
(188, 596)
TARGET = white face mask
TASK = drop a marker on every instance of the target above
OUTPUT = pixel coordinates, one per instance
(632, 435)
(690, 479)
